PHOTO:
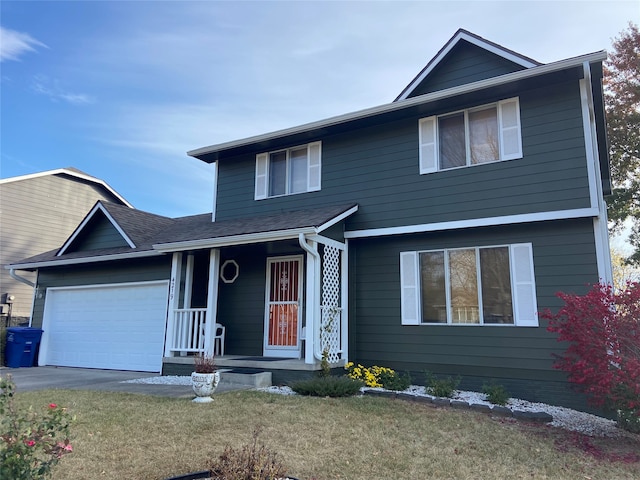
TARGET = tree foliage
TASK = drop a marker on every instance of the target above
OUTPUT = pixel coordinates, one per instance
(622, 104)
(603, 356)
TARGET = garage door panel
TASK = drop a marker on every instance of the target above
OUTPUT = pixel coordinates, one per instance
(111, 327)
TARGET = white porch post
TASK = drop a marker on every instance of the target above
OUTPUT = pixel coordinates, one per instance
(174, 297)
(212, 299)
(188, 282)
(344, 302)
(312, 301)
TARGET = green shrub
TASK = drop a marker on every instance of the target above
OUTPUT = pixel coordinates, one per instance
(328, 387)
(629, 420)
(495, 393)
(443, 387)
(394, 381)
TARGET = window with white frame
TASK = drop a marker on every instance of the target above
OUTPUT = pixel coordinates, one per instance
(288, 171)
(489, 133)
(469, 286)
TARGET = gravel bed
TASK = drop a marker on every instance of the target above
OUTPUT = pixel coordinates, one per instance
(562, 417)
(565, 418)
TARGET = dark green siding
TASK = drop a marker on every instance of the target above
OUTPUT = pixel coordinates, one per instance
(564, 260)
(465, 63)
(144, 270)
(377, 168)
(241, 304)
(98, 233)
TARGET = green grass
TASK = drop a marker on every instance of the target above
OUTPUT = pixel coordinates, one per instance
(143, 437)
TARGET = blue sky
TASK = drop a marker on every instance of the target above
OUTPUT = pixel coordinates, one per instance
(123, 89)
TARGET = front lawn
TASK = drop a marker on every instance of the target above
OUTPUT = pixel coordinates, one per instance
(142, 437)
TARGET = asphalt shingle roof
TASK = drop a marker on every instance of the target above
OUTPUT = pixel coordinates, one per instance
(146, 229)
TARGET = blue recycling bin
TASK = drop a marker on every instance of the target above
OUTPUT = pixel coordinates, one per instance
(22, 343)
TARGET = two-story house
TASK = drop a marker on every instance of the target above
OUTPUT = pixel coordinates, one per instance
(423, 234)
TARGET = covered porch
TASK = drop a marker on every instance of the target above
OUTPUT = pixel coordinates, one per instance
(274, 299)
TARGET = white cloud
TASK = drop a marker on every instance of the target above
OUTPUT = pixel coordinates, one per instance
(15, 44)
(51, 88)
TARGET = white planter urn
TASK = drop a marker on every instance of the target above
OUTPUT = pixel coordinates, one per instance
(204, 384)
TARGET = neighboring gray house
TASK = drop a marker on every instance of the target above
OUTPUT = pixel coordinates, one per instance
(423, 234)
(38, 212)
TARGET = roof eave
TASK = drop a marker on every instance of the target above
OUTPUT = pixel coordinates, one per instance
(212, 152)
(230, 240)
(82, 260)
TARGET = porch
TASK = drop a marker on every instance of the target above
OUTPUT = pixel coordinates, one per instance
(272, 301)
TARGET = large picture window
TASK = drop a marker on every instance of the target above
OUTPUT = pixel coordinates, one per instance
(470, 137)
(469, 286)
(288, 171)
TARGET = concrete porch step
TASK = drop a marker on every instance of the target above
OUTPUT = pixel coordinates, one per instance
(255, 379)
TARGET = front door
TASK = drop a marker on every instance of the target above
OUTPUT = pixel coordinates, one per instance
(283, 307)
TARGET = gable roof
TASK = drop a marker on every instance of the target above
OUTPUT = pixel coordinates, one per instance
(459, 37)
(74, 173)
(388, 112)
(154, 235)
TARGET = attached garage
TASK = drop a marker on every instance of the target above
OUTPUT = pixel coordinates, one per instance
(117, 326)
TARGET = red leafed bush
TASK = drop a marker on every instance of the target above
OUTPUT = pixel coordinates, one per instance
(603, 356)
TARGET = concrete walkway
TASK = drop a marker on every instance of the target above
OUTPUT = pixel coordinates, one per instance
(67, 378)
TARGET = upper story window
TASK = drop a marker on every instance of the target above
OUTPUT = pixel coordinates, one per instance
(489, 133)
(288, 171)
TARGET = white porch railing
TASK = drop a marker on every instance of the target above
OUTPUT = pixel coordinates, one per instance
(188, 330)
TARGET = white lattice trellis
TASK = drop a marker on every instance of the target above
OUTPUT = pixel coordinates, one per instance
(331, 304)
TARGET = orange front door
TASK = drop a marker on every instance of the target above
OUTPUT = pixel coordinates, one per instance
(283, 309)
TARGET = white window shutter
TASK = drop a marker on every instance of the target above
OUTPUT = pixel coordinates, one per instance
(409, 288)
(428, 145)
(314, 171)
(510, 134)
(524, 285)
(262, 165)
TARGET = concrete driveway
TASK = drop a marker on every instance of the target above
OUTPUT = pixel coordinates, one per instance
(67, 378)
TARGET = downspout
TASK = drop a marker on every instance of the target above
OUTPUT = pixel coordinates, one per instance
(15, 276)
(314, 311)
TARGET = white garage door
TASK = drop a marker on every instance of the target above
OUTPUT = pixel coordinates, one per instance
(118, 327)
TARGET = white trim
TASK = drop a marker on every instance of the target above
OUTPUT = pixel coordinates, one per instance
(461, 35)
(96, 207)
(477, 222)
(312, 298)
(77, 261)
(588, 126)
(234, 240)
(402, 104)
(215, 192)
(173, 301)
(212, 300)
(188, 282)
(337, 219)
(71, 173)
(344, 303)
(600, 223)
(327, 241)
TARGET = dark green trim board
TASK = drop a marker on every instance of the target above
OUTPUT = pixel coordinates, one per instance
(564, 260)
